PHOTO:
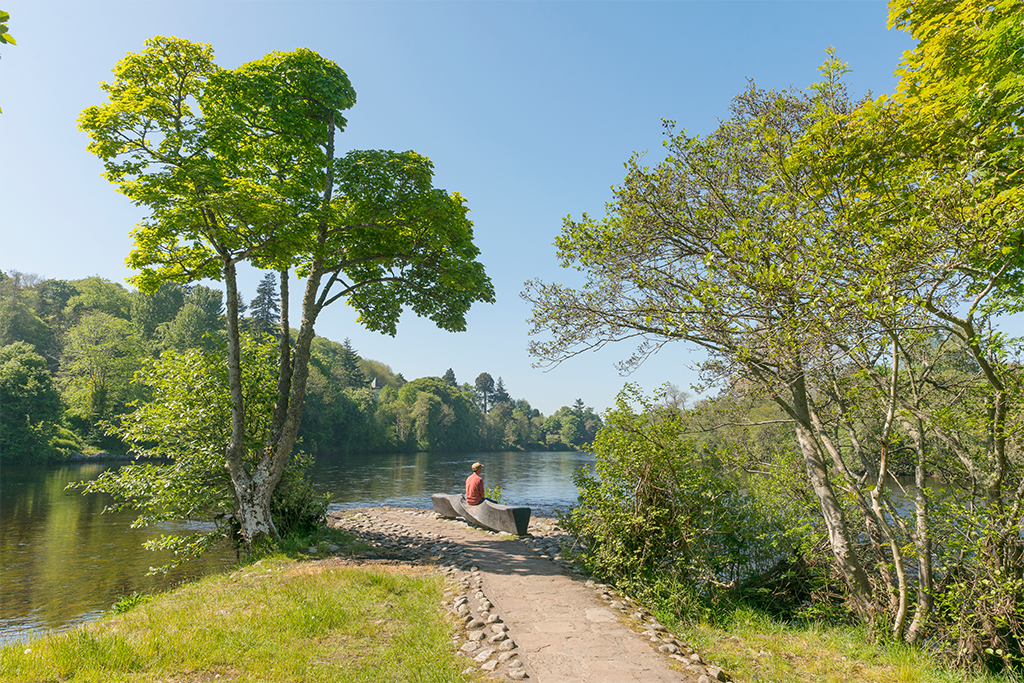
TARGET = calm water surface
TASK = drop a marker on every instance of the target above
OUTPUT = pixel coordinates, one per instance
(62, 562)
(541, 481)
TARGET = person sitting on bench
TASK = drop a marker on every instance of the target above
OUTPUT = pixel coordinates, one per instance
(475, 485)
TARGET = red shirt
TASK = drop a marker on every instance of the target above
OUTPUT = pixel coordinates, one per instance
(474, 489)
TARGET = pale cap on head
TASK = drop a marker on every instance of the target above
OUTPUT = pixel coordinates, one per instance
(477, 467)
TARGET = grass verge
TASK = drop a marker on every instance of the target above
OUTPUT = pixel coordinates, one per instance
(754, 648)
(276, 620)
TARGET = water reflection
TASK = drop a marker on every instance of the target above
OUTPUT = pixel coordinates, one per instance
(63, 562)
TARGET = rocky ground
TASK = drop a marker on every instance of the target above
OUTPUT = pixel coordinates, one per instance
(484, 638)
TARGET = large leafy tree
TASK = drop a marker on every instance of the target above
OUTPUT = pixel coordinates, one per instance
(441, 416)
(18, 322)
(101, 355)
(241, 165)
(943, 154)
(710, 247)
(30, 406)
(98, 294)
(837, 258)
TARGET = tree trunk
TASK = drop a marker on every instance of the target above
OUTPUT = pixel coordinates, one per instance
(843, 550)
(253, 515)
(293, 370)
(273, 463)
(922, 539)
(252, 492)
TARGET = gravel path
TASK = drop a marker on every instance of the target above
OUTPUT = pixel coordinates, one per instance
(525, 615)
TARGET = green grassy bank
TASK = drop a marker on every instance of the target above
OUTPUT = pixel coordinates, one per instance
(276, 620)
(754, 648)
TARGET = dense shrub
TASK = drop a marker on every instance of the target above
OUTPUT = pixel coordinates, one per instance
(296, 507)
(30, 406)
(187, 426)
(666, 520)
(979, 599)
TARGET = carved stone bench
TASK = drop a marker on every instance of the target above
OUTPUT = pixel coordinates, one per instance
(488, 514)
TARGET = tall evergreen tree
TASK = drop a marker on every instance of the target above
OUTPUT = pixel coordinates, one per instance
(351, 374)
(266, 306)
(484, 389)
(449, 378)
(500, 395)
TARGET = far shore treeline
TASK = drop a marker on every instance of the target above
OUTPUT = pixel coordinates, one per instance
(70, 351)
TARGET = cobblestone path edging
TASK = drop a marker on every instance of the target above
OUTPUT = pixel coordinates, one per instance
(484, 638)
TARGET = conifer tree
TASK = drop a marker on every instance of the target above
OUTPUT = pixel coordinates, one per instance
(351, 374)
(484, 390)
(266, 306)
(500, 395)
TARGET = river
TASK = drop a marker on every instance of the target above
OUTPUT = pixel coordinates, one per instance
(62, 562)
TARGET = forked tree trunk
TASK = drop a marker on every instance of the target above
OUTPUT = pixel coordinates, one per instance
(253, 494)
(857, 582)
(252, 491)
(253, 515)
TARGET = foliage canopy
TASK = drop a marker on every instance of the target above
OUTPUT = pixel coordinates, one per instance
(240, 165)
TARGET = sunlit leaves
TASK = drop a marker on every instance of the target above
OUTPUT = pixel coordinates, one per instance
(233, 165)
(709, 246)
(185, 426)
(240, 165)
(5, 37)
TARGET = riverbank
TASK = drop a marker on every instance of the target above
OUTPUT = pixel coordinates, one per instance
(408, 597)
(101, 456)
(278, 620)
(742, 646)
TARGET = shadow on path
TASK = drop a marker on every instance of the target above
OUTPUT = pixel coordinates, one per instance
(563, 630)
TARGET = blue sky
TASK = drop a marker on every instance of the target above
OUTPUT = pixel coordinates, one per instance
(528, 109)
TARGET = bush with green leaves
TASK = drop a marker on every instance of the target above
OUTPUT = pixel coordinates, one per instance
(181, 434)
(664, 518)
(979, 598)
(30, 406)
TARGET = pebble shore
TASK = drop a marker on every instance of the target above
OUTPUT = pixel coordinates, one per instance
(482, 637)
